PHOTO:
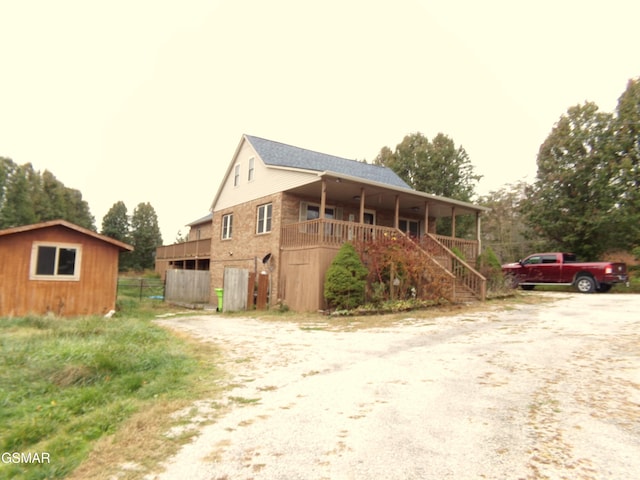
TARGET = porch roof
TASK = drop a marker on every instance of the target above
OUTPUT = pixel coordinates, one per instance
(346, 190)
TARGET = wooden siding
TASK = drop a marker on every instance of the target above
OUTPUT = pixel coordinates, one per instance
(314, 237)
(311, 265)
(236, 286)
(191, 286)
(93, 293)
(185, 250)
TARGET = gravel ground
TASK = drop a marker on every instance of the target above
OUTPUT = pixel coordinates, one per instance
(550, 390)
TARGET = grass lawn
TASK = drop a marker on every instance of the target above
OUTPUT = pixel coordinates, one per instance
(96, 390)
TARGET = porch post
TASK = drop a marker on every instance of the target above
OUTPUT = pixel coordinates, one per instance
(361, 220)
(396, 216)
(323, 197)
(453, 222)
(426, 217)
(478, 234)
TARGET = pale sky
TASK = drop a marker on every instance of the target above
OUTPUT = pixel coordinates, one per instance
(146, 100)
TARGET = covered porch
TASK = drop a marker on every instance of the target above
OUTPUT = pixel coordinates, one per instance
(357, 201)
(336, 209)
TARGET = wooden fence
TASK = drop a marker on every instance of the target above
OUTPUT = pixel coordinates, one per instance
(236, 289)
(191, 286)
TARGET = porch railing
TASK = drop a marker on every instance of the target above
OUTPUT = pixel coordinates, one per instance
(468, 248)
(193, 249)
(466, 275)
(328, 232)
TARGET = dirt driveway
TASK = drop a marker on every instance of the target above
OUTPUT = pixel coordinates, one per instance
(549, 390)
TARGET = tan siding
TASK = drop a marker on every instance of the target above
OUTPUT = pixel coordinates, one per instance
(267, 181)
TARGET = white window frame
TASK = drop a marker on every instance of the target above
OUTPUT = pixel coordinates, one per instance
(77, 264)
(329, 211)
(264, 218)
(236, 175)
(410, 221)
(252, 169)
(227, 226)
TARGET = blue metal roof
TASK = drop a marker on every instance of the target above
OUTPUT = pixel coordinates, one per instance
(282, 155)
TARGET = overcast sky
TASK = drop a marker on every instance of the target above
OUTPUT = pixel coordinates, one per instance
(146, 100)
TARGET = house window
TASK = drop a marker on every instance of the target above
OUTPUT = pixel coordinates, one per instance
(55, 261)
(410, 227)
(313, 212)
(264, 218)
(252, 162)
(236, 176)
(227, 226)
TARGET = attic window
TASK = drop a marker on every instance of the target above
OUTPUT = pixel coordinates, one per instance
(252, 164)
(236, 176)
(50, 261)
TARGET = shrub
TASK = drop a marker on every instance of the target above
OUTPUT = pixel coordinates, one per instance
(489, 266)
(345, 283)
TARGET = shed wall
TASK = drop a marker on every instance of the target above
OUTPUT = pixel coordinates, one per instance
(93, 293)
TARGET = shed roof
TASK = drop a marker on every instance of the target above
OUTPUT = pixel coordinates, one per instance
(71, 226)
(278, 154)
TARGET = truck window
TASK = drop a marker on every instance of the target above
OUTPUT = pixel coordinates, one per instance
(568, 257)
(533, 260)
(549, 259)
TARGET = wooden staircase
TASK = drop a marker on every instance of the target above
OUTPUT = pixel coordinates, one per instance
(470, 285)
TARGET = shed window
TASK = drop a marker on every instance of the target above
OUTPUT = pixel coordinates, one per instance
(55, 261)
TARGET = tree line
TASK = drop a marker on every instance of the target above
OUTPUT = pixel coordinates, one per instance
(28, 196)
(585, 197)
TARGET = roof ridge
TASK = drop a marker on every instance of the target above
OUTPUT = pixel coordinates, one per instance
(283, 154)
(315, 151)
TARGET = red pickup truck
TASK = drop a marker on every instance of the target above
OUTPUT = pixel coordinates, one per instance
(563, 269)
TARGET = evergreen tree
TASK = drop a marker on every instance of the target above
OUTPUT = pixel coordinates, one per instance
(115, 224)
(17, 207)
(51, 203)
(345, 282)
(27, 196)
(77, 210)
(145, 236)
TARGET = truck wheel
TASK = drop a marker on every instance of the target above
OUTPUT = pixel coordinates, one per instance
(585, 284)
(527, 287)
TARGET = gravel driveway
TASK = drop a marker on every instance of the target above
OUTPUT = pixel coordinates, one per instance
(550, 390)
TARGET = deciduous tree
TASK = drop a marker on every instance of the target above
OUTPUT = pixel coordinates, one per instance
(571, 201)
(438, 167)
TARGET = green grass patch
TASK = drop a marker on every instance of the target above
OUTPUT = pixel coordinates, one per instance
(67, 383)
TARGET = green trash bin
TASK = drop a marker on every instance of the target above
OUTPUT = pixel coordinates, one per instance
(220, 295)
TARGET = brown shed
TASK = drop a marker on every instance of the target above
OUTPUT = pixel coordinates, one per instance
(57, 267)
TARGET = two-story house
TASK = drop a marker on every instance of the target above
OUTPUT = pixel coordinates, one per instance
(285, 211)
